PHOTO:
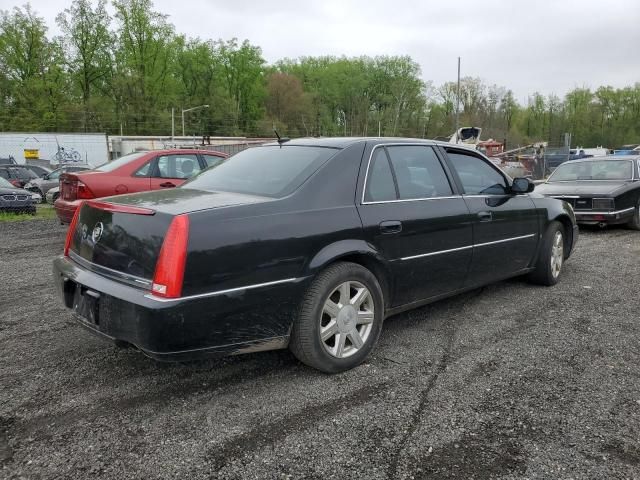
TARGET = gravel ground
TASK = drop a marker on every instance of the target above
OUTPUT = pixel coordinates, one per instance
(509, 381)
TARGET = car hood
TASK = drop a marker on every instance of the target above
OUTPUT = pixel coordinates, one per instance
(14, 191)
(184, 200)
(579, 188)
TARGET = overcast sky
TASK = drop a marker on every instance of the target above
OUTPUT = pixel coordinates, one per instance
(550, 46)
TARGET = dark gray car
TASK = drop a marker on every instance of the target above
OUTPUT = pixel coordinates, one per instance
(51, 180)
(13, 199)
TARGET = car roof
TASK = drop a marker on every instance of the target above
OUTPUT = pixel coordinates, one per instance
(344, 142)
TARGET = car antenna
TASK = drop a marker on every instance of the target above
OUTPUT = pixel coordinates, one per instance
(281, 140)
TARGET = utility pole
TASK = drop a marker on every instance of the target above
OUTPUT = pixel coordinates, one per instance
(458, 101)
(173, 123)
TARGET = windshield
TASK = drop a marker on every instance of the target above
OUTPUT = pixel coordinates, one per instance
(6, 183)
(593, 170)
(271, 171)
(118, 162)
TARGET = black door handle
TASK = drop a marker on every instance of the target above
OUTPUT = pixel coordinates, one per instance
(391, 226)
(167, 185)
(485, 216)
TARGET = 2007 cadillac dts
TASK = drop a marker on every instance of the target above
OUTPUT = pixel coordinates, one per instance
(307, 243)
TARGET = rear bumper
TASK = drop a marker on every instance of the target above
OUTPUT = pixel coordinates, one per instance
(65, 209)
(595, 218)
(234, 321)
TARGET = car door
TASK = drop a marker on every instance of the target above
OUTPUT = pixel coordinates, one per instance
(414, 217)
(505, 225)
(173, 170)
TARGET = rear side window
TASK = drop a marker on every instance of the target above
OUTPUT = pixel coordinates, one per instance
(212, 160)
(476, 175)
(418, 172)
(380, 184)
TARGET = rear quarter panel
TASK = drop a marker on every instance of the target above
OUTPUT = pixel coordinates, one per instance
(252, 244)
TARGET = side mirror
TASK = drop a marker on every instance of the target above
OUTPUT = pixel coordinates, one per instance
(522, 185)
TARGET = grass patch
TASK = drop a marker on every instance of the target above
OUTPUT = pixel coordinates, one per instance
(43, 212)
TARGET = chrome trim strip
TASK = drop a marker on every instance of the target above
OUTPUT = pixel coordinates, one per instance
(109, 271)
(437, 253)
(616, 212)
(521, 237)
(220, 292)
(412, 200)
(468, 247)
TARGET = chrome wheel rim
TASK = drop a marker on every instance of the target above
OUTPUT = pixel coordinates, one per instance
(557, 254)
(346, 320)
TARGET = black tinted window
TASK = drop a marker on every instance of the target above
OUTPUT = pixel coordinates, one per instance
(380, 185)
(271, 171)
(477, 176)
(418, 172)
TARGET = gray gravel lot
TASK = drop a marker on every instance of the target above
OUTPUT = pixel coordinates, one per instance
(509, 381)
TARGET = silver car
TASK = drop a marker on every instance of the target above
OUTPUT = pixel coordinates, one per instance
(51, 180)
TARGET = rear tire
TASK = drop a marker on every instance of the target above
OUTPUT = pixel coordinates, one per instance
(339, 320)
(551, 256)
(634, 224)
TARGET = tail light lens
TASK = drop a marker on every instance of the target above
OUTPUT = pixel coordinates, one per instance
(71, 231)
(169, 274)
(83, 192)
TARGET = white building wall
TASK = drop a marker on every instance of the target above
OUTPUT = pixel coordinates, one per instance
(89, 148)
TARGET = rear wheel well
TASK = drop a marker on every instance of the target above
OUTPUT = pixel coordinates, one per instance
(568, 233)
(375, 267)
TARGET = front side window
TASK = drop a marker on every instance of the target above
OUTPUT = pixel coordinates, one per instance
(476, 175)
(55, 175)
(269, 171)
(177, 166)
(418, 172)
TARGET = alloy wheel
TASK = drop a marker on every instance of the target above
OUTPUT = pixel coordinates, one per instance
(557, 254)
(346, 320)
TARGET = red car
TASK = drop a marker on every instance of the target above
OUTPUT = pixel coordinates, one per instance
(136, 172)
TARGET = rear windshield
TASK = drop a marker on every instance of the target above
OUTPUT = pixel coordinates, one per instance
(593, 170)
(118, 162)
(271, 171)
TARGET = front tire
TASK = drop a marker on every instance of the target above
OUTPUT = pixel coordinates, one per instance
(340, 318)
(551, 256)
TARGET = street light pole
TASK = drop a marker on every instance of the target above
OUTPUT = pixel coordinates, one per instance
(457, 101)
(190, 110)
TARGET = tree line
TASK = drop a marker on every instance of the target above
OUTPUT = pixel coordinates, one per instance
(126, 72)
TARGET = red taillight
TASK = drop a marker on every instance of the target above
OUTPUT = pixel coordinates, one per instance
(169, 274)
(82, 191)
(112, 207)
(72, 229)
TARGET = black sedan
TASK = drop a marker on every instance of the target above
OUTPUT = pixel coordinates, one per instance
(309, 244)
(16, 200)
(601, 190)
